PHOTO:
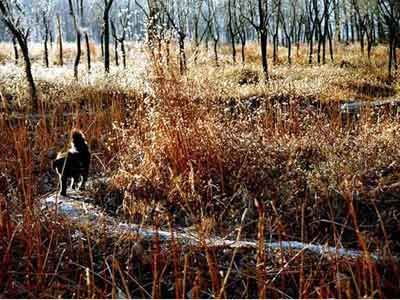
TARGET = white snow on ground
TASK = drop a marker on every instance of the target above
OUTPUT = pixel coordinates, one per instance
(78, 209)
(128, 78)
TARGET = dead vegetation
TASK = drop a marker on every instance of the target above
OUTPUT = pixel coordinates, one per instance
(197, 151)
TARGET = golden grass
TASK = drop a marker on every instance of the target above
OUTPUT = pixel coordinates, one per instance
(205, 147)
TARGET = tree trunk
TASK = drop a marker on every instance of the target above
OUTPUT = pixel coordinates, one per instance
(23, 44)
(330, 45)
(216, 51)
(46, 39)
(243, 45)
(275, 48)
(123, 51)
(352, 29)
(51, 38)
(88, 55)
(106, 41)
(395, 41)
(233, 48)
(78, 53)
(28, 72)
(298, 39)
(16, 55)
(310, 57)
(168, 45)
(60, 41)
(320, 39)
(116, 52)
(231, 32)
(32, 86)
(390, 56)
(324, 44)
(361, 35)
(182, 55)
(264, 59)
(78, 39)
(102, 43)
(46, 52)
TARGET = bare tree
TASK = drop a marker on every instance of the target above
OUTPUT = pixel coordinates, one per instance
(177, 14)
(277, 13)
(233, 31)
(106, 25)
(289, 24)
(78, 37)
(114, 34)
(242, 32)
(213, 27)
(124, 18)
(390, 12)
(261, 6)
(199, 35)
(60, 41)
(11, 14)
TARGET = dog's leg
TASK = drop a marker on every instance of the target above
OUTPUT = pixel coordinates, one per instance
(63, 183)
(85, 175)
(76, 179)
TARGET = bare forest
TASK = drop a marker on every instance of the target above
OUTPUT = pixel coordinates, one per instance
(199, 149)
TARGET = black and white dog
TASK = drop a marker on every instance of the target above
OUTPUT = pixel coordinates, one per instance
(74, 163)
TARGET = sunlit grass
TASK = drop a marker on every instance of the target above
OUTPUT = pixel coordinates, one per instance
(203, 148)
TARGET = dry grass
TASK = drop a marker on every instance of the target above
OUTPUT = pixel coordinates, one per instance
(203, 148)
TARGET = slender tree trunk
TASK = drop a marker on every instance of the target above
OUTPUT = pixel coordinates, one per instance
(123, 51)
(395, 41)
(23, 44)
(331, 51)
(106, 41)
(182, 55)
(310, 57)
(16, 54)
(51, 38)
(60, 41)
(390, 56)
(275, 48)
(352, 29)
(78, 39)
(216, 51)
(168, 45)
(28, 72)
(46, 52)
(362, 44)
(233, 48)
(102, 43)
(324, 42)
(298, 39)
(88, 55)
(243, 47)
(116, 52)
(231, 32)
(264, 42)
(46, 39)
(78, 53)
(32, 86)
(320, 39)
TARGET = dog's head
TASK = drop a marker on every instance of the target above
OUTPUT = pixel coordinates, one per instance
(78, 141)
